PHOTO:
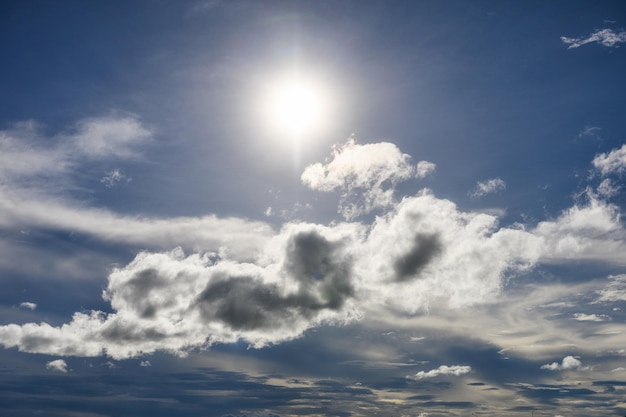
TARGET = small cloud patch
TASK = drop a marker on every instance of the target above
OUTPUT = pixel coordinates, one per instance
(606, 37)
(113, 178)
(491, 186)
(568, 363)
(58, 365)
(456, 370)
(28, 305)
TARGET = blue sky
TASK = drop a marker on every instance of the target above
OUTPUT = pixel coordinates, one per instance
(432, 227)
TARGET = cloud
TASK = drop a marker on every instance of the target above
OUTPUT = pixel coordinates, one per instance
(607, 189)
(613, 162)
(456, 370)
(424, 169)
(244, 281)
(108, 137)
(113, 178)
(145, 364)
(175, 303)
(57, 365)
(568, 363)
(365, 174)
(615, 291)
(591, 317)
(488, 187)
(27, 155)
(28, 305)
(590, 132)
(239, 238)
(589, 231)
(606, 37)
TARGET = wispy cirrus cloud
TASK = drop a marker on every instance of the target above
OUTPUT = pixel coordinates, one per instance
(115, 177)
(606, 37)
(491, 186)
(613, 162)
(27, 154)
(591, 317)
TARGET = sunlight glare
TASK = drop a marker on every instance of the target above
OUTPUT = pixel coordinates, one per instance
(296, 107)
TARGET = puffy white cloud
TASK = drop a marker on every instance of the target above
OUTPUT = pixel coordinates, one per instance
(265, 287)
(606, 37)
(456, 370)
(365, 174)
(28, 305)
(611, 162)
(174, 303)
(568, 363)
(428, 252)
(145, 364)
(488, 187)
(591, 231)
(57, 365)
(424, 169)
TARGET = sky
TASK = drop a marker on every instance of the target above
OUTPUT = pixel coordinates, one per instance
(312, 208)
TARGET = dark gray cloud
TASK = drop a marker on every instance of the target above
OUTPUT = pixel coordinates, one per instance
(321, 269)
(425, 247)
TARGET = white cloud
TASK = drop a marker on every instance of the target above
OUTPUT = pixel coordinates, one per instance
(109, 137)
(615, 291)
(58, 365)
(28, 305)
(145, 364)
(611, 162)
(440, 255)
(424, 254)
(366, 175)
(568, 363)
(607, 189)
(456, 370)
(591, 231)
(114, 177)
(175, 303)
(488, 187)
(26, 155)
(424, 169)
(591, 317)
(240, 238)
(590, 132)
(606, 37)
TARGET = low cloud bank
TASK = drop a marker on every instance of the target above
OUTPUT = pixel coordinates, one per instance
(423, 253)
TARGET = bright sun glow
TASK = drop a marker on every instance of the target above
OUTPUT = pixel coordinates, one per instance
(295, 106)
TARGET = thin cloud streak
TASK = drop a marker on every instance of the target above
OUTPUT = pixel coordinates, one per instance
(606, 37)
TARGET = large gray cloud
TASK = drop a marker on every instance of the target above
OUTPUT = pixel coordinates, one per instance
(423, 254)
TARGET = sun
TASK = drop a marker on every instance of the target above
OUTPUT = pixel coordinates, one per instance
(295, 106)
